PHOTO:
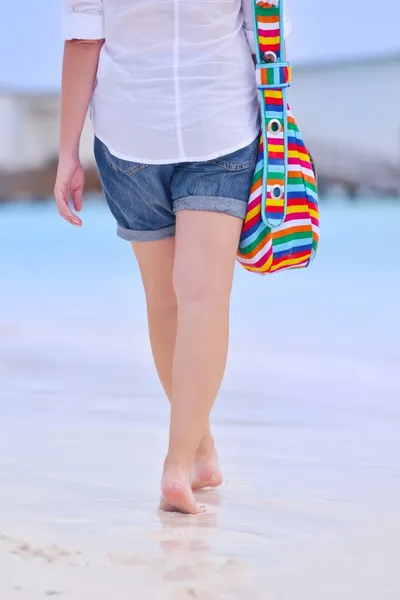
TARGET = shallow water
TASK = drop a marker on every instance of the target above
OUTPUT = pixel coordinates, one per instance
(307, 422)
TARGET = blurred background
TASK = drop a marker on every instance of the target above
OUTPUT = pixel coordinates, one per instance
(313, 385)
(345, 90)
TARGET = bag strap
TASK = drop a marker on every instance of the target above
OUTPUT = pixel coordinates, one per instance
(273, 78)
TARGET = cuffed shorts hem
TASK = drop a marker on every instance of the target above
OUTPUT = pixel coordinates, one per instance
(229, 206)
(144, 199)
(134, 235)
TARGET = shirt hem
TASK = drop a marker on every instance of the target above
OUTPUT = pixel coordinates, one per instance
(181, 159)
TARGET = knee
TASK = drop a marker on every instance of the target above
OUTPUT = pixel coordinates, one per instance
(194, 287)
(161, 300)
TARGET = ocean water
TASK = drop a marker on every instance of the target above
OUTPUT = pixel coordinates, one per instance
(54, 276)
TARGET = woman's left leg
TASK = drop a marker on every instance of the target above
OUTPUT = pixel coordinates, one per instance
(205, 249)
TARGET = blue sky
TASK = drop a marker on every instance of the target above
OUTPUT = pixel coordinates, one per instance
(30, 35)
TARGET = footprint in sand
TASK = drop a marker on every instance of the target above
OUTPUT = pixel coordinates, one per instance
(190, 593)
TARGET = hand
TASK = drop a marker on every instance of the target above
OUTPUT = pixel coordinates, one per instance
(70, 182)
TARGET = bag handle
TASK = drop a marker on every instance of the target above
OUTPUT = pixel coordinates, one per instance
(273, 75)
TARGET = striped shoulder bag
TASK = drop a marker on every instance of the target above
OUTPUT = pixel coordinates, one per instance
(281, 228)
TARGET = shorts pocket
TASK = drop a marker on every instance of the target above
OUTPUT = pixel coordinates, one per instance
(245, 158)
(123, 166)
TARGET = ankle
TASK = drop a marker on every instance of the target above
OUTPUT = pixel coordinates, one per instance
(177, 463)
(206, 447)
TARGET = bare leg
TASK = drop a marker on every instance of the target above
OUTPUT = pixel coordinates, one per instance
(156, 262)
(205, 250)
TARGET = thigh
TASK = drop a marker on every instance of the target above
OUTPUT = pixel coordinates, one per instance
(206, 244)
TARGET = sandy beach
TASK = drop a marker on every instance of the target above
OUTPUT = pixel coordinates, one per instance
(307, 426)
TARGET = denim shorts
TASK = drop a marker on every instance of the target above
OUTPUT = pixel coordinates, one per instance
(144, 198)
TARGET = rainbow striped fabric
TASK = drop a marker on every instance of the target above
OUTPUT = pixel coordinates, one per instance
(281, 229)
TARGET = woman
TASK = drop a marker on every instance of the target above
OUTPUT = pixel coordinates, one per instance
(174, 107)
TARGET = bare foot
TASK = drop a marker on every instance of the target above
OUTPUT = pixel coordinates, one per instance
(206, 471)
(176, 492)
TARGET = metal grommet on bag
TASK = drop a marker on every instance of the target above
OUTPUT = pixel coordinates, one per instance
(277, 192)
(269, 57)
(274, 127)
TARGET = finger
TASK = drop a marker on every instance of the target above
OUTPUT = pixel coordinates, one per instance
(64, 209)
(66, 213)
(77, 198)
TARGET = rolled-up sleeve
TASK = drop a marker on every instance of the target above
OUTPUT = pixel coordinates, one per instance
(83, 20)
(247, 8)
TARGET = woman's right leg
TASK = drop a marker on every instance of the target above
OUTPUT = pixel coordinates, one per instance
(156, 264)
(206, 246)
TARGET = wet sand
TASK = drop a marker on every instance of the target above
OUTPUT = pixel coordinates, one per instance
(307, 429)
(309, 507)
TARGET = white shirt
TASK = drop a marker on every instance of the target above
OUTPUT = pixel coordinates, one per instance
(176, 78)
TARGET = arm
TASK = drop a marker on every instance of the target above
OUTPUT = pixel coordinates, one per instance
(84, 39)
